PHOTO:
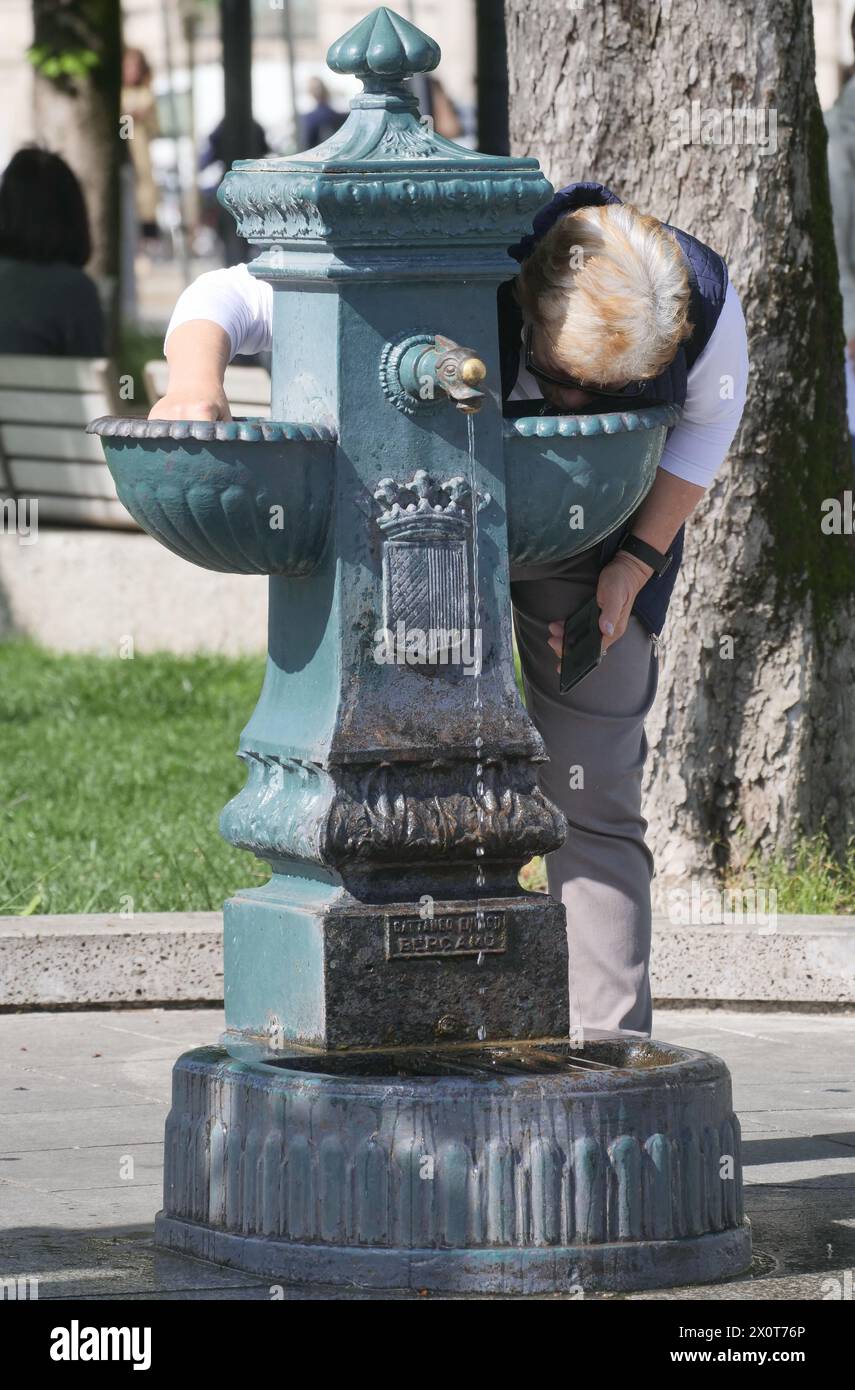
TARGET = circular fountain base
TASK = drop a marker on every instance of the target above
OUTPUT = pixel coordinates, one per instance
(514, 1168)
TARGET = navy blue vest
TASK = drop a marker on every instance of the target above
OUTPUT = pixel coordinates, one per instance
(708, 284)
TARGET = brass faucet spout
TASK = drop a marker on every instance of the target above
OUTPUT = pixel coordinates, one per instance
(459, 372)
(421, 367)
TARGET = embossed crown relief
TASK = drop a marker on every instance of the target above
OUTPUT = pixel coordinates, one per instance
(427, 585)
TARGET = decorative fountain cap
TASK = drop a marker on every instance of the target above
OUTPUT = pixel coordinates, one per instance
(386, 178)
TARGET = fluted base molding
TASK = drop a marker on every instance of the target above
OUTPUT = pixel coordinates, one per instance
(617, 1177)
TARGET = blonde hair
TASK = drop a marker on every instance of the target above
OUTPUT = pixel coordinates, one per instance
(609, 289)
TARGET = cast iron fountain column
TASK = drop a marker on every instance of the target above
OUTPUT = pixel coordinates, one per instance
(398, 1099)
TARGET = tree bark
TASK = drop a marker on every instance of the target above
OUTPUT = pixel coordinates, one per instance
(752, 741)
(77, 116)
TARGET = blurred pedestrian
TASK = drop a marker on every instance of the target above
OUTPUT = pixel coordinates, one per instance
(435, 102)
(139, 102)
(322, 121)
(48, 304)
(214, 221)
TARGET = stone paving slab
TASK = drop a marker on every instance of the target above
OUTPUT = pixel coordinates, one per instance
(158, 958)
(69, 1217)
(69, 1131)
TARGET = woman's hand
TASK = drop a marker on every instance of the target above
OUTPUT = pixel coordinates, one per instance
(197, 353)
(667, 505)
(617, 590)
(203, 400)
(618, 586)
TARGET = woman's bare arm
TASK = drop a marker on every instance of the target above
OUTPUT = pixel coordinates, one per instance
(198, 353)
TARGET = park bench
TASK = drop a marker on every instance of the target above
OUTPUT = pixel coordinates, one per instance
(247, 388)
(45, 405)
(45, 452)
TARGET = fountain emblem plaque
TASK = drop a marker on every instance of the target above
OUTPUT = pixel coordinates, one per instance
(427, 606)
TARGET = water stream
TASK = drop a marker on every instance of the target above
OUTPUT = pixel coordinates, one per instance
(477, 640)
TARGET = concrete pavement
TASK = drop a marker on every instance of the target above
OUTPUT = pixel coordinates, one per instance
(84, 1096)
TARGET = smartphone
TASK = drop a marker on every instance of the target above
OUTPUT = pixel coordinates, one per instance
(582, 650)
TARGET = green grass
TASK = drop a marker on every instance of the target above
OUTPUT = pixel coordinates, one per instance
(112, 777)
(811, 880)
(113, 774)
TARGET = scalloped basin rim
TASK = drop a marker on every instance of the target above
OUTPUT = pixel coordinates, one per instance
(585, 426)
(200, 491)
(246, 430)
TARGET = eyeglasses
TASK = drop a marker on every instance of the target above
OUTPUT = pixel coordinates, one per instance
(630, 390)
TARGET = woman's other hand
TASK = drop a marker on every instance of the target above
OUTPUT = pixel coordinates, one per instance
(618, 586)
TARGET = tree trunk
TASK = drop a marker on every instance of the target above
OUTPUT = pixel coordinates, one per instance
(238, 140)
(491, 79)
(77, 54)
(752, 740)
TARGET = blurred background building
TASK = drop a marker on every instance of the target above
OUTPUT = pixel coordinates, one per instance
(171, 226)
(834, 60)
(177, 89)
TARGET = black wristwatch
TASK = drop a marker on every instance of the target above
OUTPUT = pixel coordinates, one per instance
(658, 562)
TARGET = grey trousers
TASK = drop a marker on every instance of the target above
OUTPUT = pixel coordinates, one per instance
(595, 739)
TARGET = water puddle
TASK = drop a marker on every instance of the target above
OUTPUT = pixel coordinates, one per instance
(485, 1063)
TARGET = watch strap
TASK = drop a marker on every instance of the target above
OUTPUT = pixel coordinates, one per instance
(658, 562)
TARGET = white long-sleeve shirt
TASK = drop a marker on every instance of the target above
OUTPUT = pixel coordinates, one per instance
(717, 384)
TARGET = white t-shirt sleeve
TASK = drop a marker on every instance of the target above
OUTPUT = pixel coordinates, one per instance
(240, 303)
(715, 399)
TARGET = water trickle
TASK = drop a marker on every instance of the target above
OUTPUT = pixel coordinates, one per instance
(478, 648)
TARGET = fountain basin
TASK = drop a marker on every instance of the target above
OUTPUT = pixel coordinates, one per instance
(601, 464)
(238, 496)
(518, 1168)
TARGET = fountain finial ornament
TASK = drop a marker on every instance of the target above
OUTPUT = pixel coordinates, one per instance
(383, 46)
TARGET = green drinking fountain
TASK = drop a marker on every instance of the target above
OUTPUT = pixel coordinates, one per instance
(398, 1100)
